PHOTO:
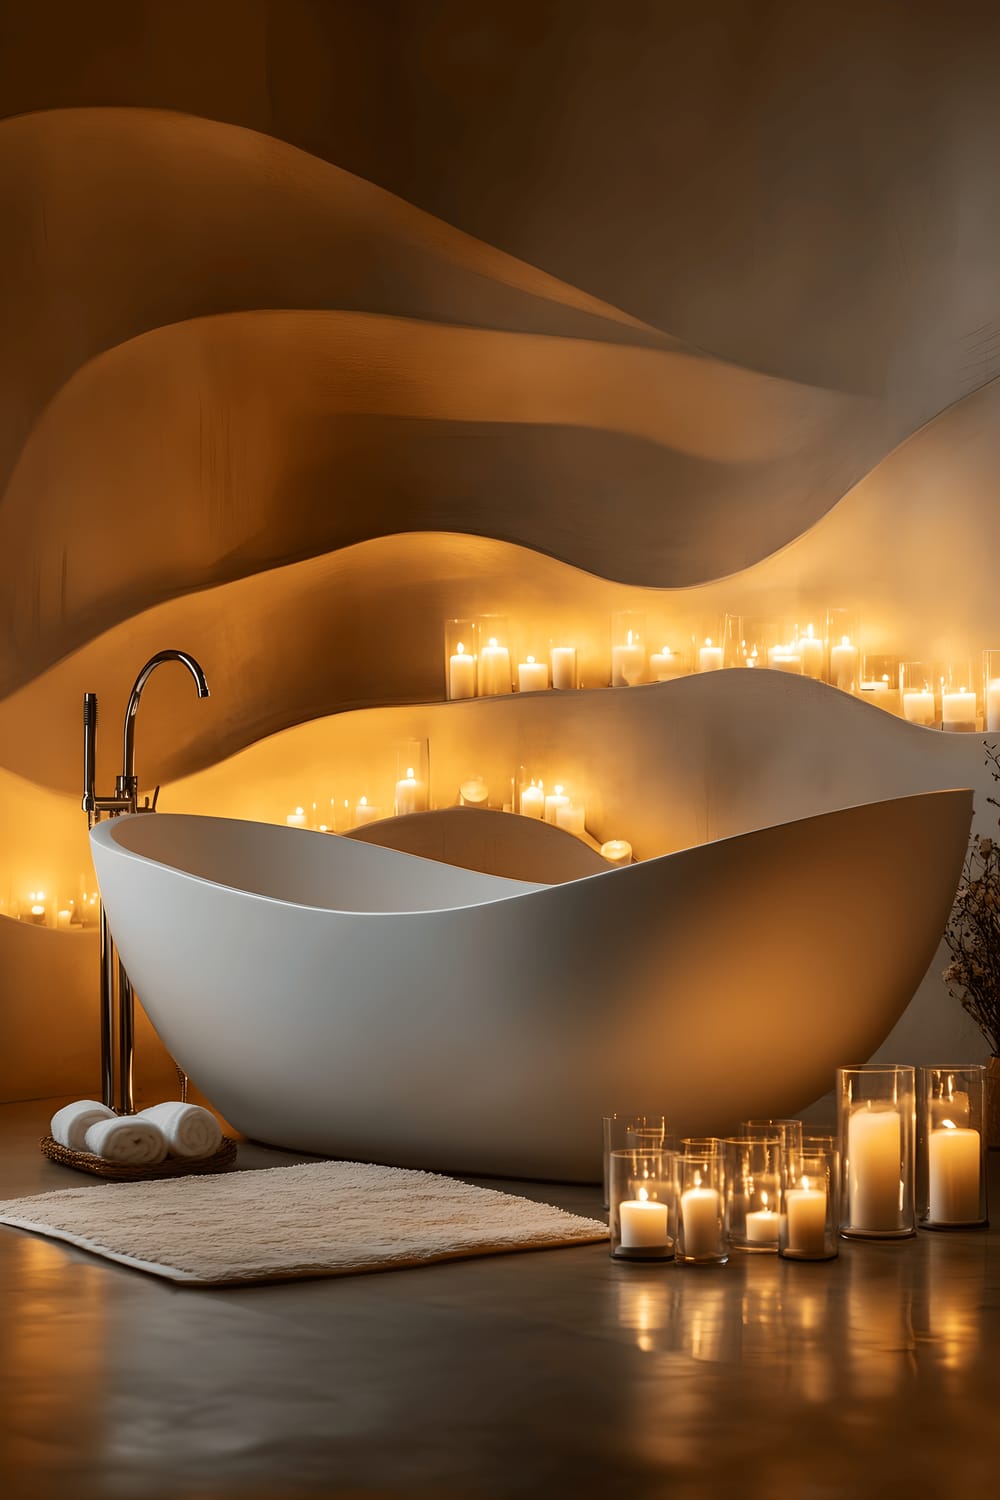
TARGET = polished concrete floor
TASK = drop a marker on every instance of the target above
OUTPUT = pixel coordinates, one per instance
(551, 1374)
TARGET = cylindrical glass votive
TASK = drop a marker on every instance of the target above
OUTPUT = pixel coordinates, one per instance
(617, 852)
(876, 1118)
(810, 1221)
(412, 793)
(460, 643)
(494, 675)
(842, 633)
(562, 661)
(733, 641)
(918, 686)
(991, 691)
(811, 649)
(879, 684)
(628, 648)
(753, 1193)
(959, 706)
(951, 1161)
(642, 1205)
(708, 654)
(667, 662)
(701, 1184)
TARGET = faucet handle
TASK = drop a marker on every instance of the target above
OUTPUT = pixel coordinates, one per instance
(148, 806)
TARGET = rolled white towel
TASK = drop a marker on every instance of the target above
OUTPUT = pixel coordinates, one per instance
(189, 1130)
(70, 1124)
(128, 1140)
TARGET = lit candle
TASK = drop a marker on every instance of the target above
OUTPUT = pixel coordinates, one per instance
(784, 659)
(880, 693)
(918, 707)
(958, 711)
(411, 794)
(474, 792)
(364, 814)
(702, 1215)
(532, 676)
(844, 664)
(810, 649)
(874, 1147)
(953, 1159)
(617, 852)
(665, 665)
(533, 801)
(762, 1225)
(572, 818)
(462, 674)
(709, 657)
(553, 802)
(563, 660)
(63, 918)
(297, 819)
(805, 1209)
(993, 704)
(643, 1224)
(628, 662)
(494, 669)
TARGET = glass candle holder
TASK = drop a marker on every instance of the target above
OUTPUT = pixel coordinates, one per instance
(810, 1220)
(572, 818)
(951, 1160)
(563, 666)
(733, 642)
(959, 704)
(628, 648)
(617, 852)
(642, 1194)
(533, 669)
(555, 801)
(493, 676)
(879, 684)
(671, 660)
(759, 637)
(708, 646)
(701, 1184)
(753, 1194)
(810, 645)
(412, 793)
(530, 796)
(365, 812)
(474, 791)
(876, 1118)
(788, 1134)
(461, 639)
(619, 1128)
(991, 690)
(918, 689)
(843, 656)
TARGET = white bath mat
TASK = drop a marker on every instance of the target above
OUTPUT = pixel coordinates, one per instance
(324, 1219)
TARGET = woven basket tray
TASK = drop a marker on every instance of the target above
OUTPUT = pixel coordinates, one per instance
(173, 1166)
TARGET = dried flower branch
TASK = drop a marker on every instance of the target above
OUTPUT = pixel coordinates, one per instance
(973, 931)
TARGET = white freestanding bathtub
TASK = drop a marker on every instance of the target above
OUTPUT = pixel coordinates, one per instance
(334, 996)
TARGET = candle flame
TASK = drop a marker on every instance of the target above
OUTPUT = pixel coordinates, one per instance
(531, 661)
(628, 640)
(559, 790)
(708, 640)
(409, 773)
(643, 1195)
(364, 802)
(845, 640)
(763, 1201)
(805, 1183)
(493, 640)
(461, 649)
(948, 1125)
(300, 812)
(809, 631)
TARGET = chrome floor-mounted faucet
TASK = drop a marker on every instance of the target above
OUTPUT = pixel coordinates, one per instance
(117, 999)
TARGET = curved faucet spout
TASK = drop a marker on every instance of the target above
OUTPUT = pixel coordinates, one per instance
(127, 782)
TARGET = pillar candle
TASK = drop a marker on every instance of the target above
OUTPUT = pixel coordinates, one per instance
(643, 1224)
(63, 919)
(462, 674)
(297, 819)
(880, 693)
(958, 711)
(411, 794)
(874, 1147)
(918, 707)
(364, 814)
(709, 657)
(810, 649)
(628, 663)
(993, 704)
(665, 665)
(844, 664)
(701, 1213)
(572, 818)
(784, 659)
(532, 676)
(805, 1210)
(617, 852)
(953, 1164)
(533, 801)
(563, 660)
(494, 669)
(553, 802)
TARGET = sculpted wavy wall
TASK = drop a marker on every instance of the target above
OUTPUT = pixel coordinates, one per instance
(323, 322)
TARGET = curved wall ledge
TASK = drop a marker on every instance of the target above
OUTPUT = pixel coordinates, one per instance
(492, 842)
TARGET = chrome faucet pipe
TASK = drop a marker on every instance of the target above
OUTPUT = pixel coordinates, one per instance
(127, 784)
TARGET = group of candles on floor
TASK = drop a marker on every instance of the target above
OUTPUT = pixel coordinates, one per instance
(145, 1139)
(908, 1153)
(955, 696)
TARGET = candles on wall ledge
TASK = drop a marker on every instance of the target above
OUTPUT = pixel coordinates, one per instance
(532, 675)
(919, 693)
(628, 648)
(460, 649)
(959, 706)
(494, 674)
(562, 660)
(412, 794)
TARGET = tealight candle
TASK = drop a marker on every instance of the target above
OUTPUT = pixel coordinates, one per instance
(410, 794)
(532, 676)
(805, 1210)
(874, 1145)
(462, 674)
(553, 802)
(297, 819)
(953, 1156)
(958, 711)
(665, 665)
(494, 669)
(762, 1224)
(617, 851)
(533, 801)
(364, 814)
(644, 1224)
(709, 657)
(563, 662)
(918, 707)
(844, 664)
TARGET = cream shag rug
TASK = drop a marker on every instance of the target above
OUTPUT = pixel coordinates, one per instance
(324, 1219)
